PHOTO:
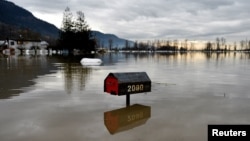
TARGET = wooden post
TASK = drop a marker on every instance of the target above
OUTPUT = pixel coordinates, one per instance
(127, 99)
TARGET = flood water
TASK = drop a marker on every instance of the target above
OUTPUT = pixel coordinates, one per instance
(51, 97)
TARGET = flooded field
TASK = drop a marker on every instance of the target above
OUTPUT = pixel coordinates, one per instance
(49, 98)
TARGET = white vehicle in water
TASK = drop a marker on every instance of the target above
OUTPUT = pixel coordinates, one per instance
(91, 61)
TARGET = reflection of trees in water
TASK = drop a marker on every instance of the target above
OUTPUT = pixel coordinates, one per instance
(17, 72)
(177, 57)
(245, 55)
(75, 76)
(218, 56)
(110, 58)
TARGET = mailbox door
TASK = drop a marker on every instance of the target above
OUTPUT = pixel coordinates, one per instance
(111, 85)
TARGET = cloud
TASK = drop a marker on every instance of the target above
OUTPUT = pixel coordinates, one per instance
(140, 19)
(45, 6)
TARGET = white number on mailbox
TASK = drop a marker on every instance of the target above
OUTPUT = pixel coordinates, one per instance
(135, 88)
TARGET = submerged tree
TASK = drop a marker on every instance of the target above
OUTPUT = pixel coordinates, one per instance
(208, 46)
(75, 34)
(217, 44)
(110, 44)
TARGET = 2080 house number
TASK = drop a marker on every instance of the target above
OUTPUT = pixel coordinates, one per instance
(135, 88)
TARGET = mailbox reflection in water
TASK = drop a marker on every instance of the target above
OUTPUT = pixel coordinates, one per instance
(126, 118)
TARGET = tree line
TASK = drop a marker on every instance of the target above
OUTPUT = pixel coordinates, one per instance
(160, 45)
(221, 45)
(175, 45)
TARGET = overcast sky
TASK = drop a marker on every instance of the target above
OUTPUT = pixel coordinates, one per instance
(158, 19)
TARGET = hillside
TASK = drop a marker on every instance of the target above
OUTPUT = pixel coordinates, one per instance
(11, 14)
(16, 21)
(103, 40)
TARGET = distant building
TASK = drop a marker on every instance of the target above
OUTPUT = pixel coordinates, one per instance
(23, 44)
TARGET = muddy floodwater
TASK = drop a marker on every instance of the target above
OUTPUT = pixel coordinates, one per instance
(55, 98)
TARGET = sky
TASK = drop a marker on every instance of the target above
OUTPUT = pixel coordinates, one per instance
(150, 20)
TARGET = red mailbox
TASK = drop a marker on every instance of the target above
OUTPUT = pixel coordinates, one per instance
(127, 83)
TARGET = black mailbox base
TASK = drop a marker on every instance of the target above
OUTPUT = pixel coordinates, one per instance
(127, 100)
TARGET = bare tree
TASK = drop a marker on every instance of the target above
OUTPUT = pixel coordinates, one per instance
(218, 43)
(186, 44)
(208, 46)
(176, 45)
(249, 45)
(136, 45)
(127, 44)
(242, 43)
(223, 42)
(235, 46)
(110, 44)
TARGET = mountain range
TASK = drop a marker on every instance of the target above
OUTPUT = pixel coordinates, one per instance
(17, 18)
(104, 40)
